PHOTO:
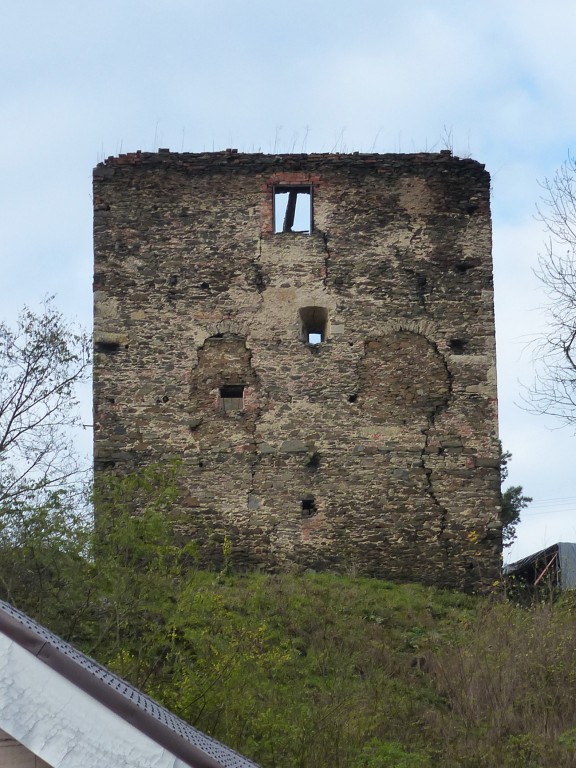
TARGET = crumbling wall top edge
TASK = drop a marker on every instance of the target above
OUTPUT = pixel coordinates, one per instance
(231, 158)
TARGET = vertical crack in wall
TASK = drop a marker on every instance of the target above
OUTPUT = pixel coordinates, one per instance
(359, 359)
(419, 286)
(421, 391)
(421, 282)
(327, 257)
(257, 413)
(432, 416)
(253, 467)
(259, 281)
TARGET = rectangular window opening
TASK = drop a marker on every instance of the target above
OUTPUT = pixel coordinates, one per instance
(293, 209)
(107, 346)
(232, 398)
(313, 324)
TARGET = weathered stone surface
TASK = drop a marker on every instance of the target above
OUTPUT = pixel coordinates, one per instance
(293, 446)
(373, 448)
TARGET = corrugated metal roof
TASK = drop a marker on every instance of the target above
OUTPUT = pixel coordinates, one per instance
(511, 568)
(182, 740)
(566, 563)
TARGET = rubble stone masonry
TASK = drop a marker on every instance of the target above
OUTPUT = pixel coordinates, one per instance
(326, 379)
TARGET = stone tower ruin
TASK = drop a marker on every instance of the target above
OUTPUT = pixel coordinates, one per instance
(312, 336)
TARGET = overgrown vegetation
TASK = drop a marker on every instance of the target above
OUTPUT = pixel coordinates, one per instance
(513, 500)
(297, 671)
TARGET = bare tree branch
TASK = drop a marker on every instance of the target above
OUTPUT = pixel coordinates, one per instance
(42, 359)
(553, 391)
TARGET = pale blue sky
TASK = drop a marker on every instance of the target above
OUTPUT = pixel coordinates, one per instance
(495, 80)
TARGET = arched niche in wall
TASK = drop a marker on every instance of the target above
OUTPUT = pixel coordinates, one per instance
(404, 380)
(223, 375)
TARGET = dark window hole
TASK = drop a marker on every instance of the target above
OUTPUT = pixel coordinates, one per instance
(458, 346)
(314, 460)
(232, 398)
(462, 267)
(107, 346)
(205, 286)
(308, 506)
(352, 398)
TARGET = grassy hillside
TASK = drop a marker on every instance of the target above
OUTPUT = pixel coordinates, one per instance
(308, 671)
(322, 670)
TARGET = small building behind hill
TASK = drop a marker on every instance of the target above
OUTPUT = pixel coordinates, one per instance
(553, 567)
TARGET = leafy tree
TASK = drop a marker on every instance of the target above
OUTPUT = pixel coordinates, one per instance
(42, 359)
(45, 558)
(110, 584)
(554, 388)
(513, 502)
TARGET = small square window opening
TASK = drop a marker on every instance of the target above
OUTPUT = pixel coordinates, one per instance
(313, 324)
(293, 209)
(232, 398)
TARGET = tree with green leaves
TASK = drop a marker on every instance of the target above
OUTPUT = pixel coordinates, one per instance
(118, 578)
(513, 502)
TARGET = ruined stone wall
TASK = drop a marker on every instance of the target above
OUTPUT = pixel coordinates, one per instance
(373, 451)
